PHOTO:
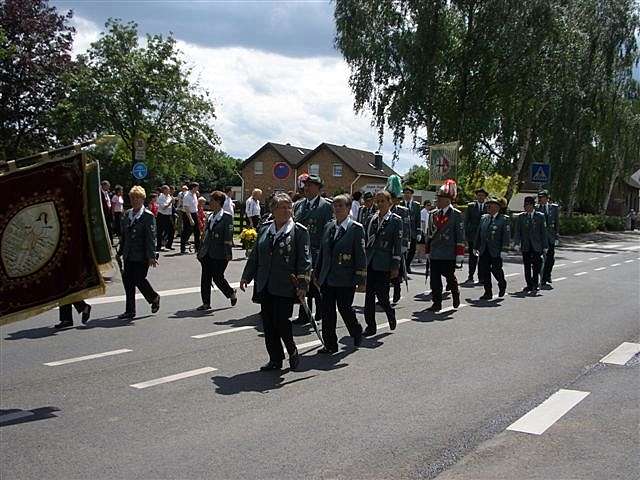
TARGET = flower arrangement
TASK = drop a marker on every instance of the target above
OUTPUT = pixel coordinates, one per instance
(248, 237)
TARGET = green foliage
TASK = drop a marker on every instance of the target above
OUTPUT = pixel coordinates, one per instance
(417, 177)
(575, 224)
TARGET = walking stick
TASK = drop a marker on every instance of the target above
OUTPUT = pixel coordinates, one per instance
(305, 307)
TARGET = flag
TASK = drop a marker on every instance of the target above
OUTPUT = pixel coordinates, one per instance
(52, 238)
(443, 162)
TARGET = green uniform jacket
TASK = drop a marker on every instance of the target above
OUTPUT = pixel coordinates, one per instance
(531, 233)
(552, 217)
(414, 215)
(493, 236)
(384, 245)
(472, 216)
(342, 262)
(138, 240)
(218, 238)
(314, 216)
(403, 213)
(365, 214)
(446, 242)
(270, 266)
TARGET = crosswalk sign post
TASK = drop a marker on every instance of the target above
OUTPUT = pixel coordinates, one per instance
(540, 173)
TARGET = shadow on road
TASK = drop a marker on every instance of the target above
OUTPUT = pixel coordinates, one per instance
(257, 381)
(484, 303)
(193, 313)
(14, 416)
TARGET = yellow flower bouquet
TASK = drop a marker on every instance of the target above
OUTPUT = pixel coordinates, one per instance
(248, 237)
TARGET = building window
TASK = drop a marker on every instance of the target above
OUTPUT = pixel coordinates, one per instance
(258, 168)
(337, 169)
(314, 169)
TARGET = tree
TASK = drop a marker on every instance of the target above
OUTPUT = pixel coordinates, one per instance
(35, 51)
(417, 177)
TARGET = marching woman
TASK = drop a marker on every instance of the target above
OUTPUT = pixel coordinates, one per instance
(384, 254)
(137, 247)
(280, 266)
(215, 252)
(341, 268)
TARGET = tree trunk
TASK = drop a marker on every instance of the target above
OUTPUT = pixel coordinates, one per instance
(517, 168)
(617, 167)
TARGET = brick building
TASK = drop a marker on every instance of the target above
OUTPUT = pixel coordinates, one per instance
(275, 167)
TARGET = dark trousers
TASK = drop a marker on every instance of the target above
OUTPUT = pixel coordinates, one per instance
(108, 218)
(343, 298)
(377, 287)
(488, 265)
(117, 224)
(213, 270)
(66, 313)
(312, 293)
(439, 269)
(188, 229)
(275, 312)
(473, 259)
(165, 231)
(254, 221)
(397, 282)
(411, 253)
(549, 260)
(532, 263)
(135, 276)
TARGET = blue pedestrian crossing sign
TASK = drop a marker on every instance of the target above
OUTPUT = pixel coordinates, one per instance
(140, 170)
(540, 173)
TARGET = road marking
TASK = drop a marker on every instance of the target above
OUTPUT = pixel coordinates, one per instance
(615, 265)
(162, 293)
(173, 378)
(578, 261)
(599, 269)
(635, 247)
(579, 274)
(538, 420)
(560, 265)
(622, 354)
(607, 255)
(222, 332)
(628, 261)
(594, 258)
(560, 279)
(86, 357)
(610, 245)
(10, 417)
(511, 275)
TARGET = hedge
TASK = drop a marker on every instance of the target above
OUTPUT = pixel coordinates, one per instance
(590, 223)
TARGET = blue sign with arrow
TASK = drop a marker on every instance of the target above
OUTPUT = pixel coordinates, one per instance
(140, 170)
(540, 173)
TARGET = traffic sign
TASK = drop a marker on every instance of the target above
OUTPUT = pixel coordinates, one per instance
(540, 173)
(140, 149)
(140, 171)
(281, 170)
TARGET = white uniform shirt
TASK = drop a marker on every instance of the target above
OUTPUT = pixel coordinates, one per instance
(117, 203)
(190, 202)
(252, 209)
(355, 209)
(164, 204)
(424, 219)
(228, 205)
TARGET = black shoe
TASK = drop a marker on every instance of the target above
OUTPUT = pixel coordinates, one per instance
(86, 313)
(534, 289)
(302, 320)
(369, 332)
(456, 299)
(233, 299)
(448, 289)
(203, 307)
(294, 361)
(409, 271)
(126, 315)
(357, 339)
(155, 305)
(502, 291)
(549, 280)
(436, 307)
(526, 289)
(469, 280)
(392, 323)
(396, 298)
(327, 350)
(270, 365)
(63, 324)
(486, 296)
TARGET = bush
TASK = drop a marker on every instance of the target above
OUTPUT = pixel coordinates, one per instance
(589, 223)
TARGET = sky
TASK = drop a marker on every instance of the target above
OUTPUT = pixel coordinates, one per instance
(270, 66)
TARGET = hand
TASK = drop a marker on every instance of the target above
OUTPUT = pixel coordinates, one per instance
(361, 288)
(459, 258)
(394, 273)
(243, 284)
(153, 262)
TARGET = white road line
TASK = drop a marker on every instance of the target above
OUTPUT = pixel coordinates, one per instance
(10, 417)
(560, 279)
(594, 258)
(162, 293)
(222, 332)
(578, 261)
(628, 261)
(511, 275)
(560, 265)
(599, 269)
(314, 343)
(610, 245)
(579, 274)
(607, 255)
(538, 420)
(86, 357)
(635, 247)
(622, 354)
(173, 378)
(615, 265)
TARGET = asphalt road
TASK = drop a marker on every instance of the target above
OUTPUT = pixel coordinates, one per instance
(433, 398)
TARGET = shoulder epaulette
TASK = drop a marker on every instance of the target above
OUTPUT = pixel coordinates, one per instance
(301, 226)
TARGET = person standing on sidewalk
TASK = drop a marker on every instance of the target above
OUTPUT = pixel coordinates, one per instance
(530, 237)
(341, 268)
(165, 219)
(190, 218)
(215, 253)
(445, 245)
(551, 213)
(472, 216)
(492, 239)
(137, 247)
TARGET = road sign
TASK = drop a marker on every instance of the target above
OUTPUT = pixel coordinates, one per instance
(140, 149)
(540, 173)
(281, 170)
(140, 171)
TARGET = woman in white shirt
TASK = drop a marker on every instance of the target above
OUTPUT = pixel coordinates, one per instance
(117, 207)
(252, 208)
(422, 234)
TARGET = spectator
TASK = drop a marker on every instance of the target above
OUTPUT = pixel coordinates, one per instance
(165, 219)
(202, 216)
(252, 208)
(355, 205)
(189, 215)
(153, 204)
(106, 206)
(228, 206)
(117, 207)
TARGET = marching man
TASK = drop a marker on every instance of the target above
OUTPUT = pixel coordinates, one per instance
(445, 245)
(492, 238)
(551, 213)
(531, 238)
